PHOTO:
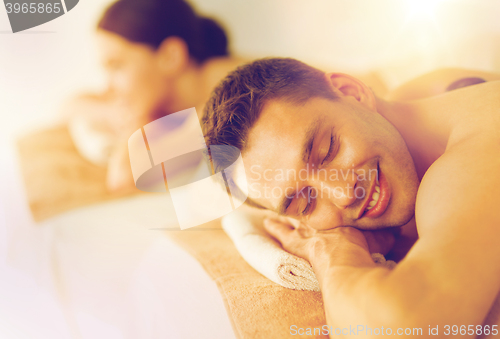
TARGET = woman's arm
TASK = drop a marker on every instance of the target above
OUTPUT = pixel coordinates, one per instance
(89, 118)
(119, 169)
(100, 127)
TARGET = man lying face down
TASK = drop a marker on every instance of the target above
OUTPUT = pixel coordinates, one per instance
(323, 149)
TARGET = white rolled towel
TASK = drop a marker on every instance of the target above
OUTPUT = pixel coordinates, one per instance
(267, 256)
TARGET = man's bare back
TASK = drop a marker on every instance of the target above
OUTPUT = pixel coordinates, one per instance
(455, 209)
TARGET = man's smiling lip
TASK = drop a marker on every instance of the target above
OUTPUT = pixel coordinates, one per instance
(383, 200)
(368, 196)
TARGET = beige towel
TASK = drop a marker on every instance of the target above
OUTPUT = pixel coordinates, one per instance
(257, 307)
(267, 256)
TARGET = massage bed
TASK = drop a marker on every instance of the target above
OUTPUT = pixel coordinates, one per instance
(105, 270)
(118, 266)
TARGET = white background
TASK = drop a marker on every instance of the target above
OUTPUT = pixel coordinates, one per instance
(42, 66)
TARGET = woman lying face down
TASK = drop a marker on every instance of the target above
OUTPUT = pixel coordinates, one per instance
(160, 57)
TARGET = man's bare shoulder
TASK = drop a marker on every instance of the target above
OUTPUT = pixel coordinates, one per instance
(470, 166)
(460, 191)
(459, 225)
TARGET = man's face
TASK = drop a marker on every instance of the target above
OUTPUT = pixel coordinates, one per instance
(330, 163)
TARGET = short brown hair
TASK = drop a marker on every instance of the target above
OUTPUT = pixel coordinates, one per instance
(237, 101)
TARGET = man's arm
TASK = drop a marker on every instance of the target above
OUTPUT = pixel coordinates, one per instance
(452, 274)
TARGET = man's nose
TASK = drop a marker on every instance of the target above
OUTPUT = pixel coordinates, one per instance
(341, 192)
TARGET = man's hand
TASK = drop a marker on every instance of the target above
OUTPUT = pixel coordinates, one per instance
(308, 243)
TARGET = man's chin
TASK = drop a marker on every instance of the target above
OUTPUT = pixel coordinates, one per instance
(394, 221)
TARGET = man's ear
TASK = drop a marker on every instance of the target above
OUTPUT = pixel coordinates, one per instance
(346, 85)
(173, 55)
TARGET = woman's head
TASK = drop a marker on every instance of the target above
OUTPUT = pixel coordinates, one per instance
(150, 22)
(145, 44)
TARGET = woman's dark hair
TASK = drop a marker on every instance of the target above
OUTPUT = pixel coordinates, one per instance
(152, 21)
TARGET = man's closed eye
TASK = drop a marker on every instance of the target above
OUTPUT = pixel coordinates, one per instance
(330, 154)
